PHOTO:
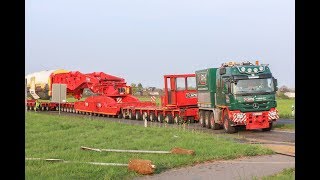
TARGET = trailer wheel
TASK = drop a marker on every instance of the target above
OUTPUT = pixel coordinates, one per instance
(153, 117)
(120, 116)
(207, 119)
(227, 126)
(269, 128)
(124, 114)
(213, 124)
(145, 116)
(177, 119)
(131, 115)
(191, 119)
(160, 117)
(168, 119)
(201, 118)
(138, 115)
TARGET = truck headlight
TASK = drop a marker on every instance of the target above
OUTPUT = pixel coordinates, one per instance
(255, 70)
(249, 70)
(261, 68)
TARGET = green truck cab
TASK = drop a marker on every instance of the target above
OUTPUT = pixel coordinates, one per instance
(237, 95)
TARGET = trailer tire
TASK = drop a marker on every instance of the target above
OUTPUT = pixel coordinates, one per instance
(153, 117)
(201, 118)
(227, 127)
(131, 115)
(145, 116)
(160, 117)
(191, 119)
(269, 128)
(120, 115)
(213, 124)
(207, 119)
(177, 119)
(124, 115)
(138, 115)
(168, 119)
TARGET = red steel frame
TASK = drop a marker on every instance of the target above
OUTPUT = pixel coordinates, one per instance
(114, 97)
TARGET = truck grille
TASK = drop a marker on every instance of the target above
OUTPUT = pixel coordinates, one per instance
(256, 106)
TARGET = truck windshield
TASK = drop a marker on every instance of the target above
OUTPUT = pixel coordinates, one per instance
(253, 86)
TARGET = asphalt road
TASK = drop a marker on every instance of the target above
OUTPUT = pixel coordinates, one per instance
(286, 121)
(244, 168)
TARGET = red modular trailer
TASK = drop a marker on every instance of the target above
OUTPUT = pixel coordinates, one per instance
(114, 98)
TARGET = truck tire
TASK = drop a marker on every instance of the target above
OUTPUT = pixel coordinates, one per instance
(207, 119)
(131, 115)
(213, 124)
(201, 118)
(152, 117)
(227, 127)
(269, 128)
(138, 115)
(160, 117)
(168, 119)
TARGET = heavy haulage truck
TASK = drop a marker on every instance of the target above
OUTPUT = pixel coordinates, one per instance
(237, 95)
(232, 96)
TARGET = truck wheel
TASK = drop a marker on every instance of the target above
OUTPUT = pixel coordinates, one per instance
(207, 119)
(227, 127)
(168, 119)
(153, 117)
(213, 124)
(201, 118)
(269, 128)
(131, 115)
(160, 117)
(138, 115)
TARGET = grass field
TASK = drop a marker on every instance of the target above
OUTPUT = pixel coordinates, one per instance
(53, 136)
(284, 107)
(286, 174)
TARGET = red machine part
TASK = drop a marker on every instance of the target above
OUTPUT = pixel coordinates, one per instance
(98, 82)
(114, 98)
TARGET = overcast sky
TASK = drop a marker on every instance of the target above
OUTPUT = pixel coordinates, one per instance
(141, 40)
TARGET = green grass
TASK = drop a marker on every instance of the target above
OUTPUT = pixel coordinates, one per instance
(53, 136)
(286, 174)
(284, 126)
(284, 107)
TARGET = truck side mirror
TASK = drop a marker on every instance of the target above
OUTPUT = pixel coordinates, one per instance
(275, 82)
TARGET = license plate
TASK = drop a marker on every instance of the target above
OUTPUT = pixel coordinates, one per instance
(257, 114)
